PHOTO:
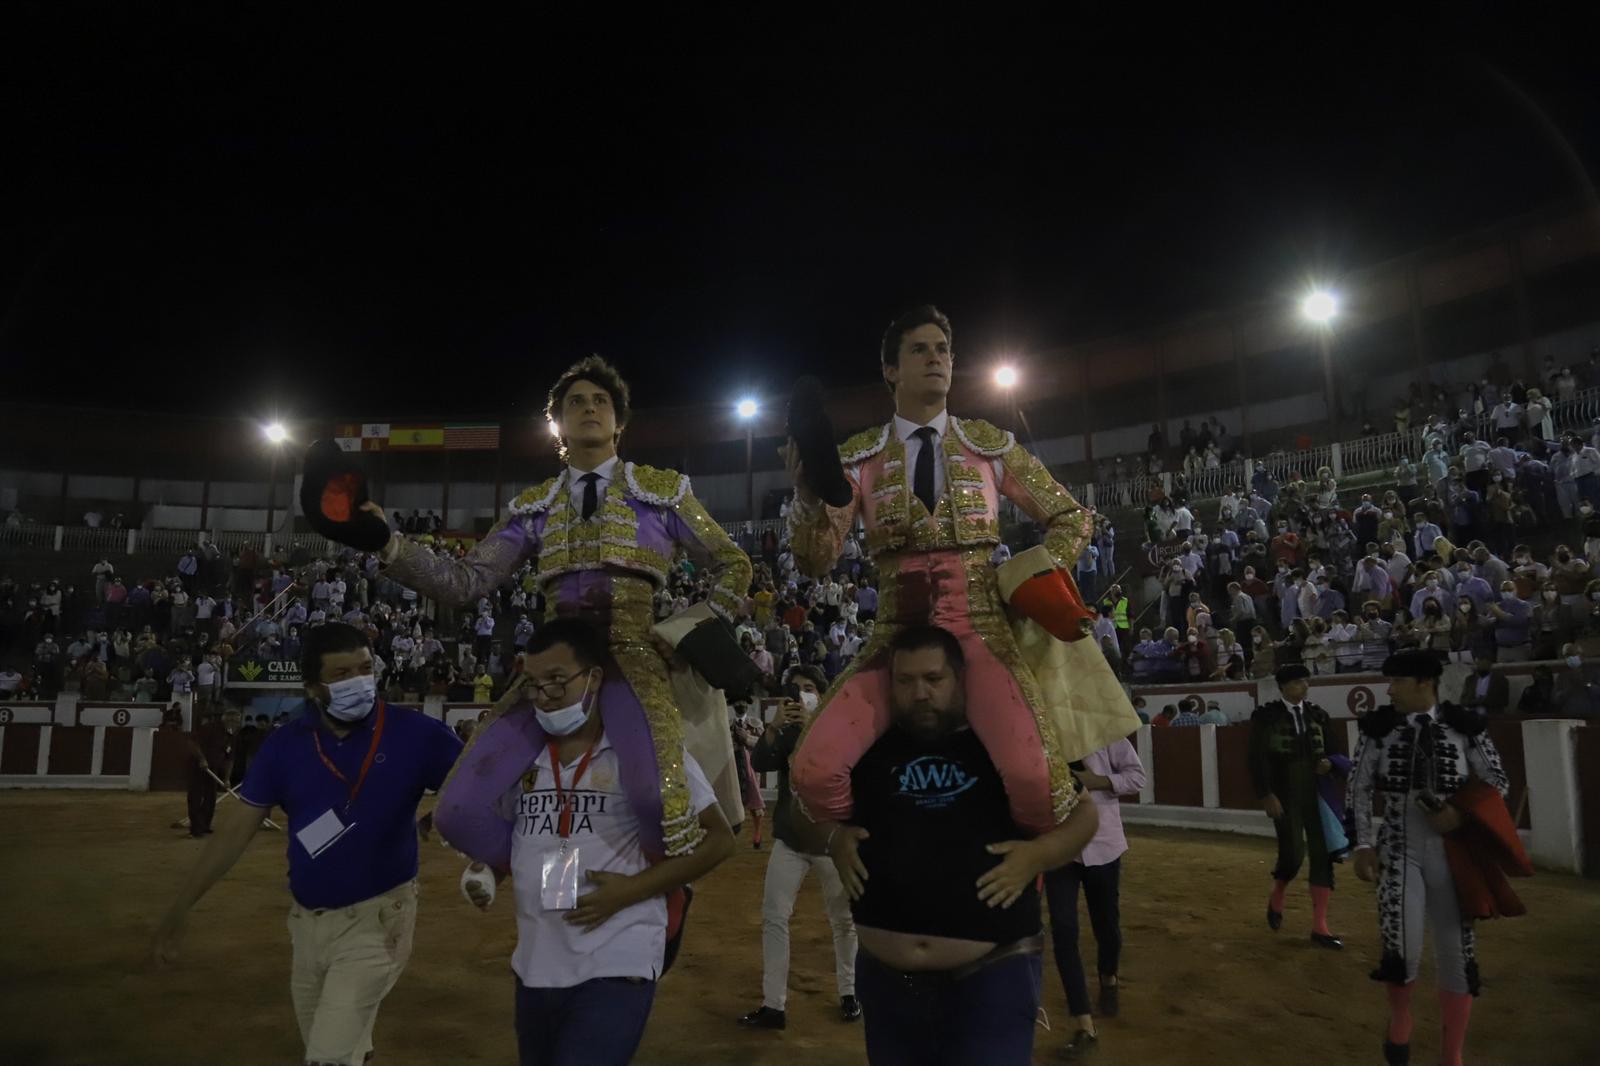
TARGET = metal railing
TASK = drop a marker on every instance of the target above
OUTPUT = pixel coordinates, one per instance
(28, 535)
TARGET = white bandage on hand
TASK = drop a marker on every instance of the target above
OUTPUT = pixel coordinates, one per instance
(478, 876)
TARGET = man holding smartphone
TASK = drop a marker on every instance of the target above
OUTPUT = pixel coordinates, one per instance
(1425, 757)
(786, 869)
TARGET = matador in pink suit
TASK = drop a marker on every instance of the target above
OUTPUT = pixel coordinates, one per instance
(927, 488)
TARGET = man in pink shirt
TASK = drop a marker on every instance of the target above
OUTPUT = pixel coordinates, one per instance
(1106, 774)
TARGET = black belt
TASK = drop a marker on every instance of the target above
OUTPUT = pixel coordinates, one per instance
(930, 980)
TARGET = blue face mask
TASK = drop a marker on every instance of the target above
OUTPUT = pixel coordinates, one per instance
(567, 720)
(352, 699)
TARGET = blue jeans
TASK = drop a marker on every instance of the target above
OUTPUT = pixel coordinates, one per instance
(597, 1023)
(986, 1019)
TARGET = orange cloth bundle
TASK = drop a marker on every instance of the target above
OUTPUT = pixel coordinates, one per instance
(1034, 587)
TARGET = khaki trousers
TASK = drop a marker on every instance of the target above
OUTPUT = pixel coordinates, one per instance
(346, 960)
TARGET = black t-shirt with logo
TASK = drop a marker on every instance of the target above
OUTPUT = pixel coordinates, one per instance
(931, 806)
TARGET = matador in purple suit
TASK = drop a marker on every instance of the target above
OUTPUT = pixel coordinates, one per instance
(604, 533)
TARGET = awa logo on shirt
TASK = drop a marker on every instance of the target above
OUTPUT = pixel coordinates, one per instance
(933, 781)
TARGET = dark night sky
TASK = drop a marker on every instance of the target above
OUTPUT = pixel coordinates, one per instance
(328, 219)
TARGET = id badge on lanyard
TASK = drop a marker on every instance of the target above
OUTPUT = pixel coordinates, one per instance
(558, 880)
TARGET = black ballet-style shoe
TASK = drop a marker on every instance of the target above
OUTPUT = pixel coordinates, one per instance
(765, 1018)
(1108, 1001)
(1327, 940)
(1396, 1054)
(1079, 1046)
(849, 1008)
(1274, 919)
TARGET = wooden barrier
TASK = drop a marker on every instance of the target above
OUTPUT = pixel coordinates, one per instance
(1176, 753)
(1234, 789)
(1588, 760)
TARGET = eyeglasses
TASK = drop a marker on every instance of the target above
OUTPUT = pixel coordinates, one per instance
(555, 689)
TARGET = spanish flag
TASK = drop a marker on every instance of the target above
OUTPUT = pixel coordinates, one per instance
(416, 437)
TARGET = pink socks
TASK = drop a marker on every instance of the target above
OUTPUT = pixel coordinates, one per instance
(1319, 909)
(1400, 1014)
(1275, 901)
(1454, 1010)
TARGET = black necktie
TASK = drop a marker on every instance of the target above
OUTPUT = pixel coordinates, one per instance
(922, 481)
(591, 495)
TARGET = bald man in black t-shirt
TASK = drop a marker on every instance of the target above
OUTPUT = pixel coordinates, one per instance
(941, 879)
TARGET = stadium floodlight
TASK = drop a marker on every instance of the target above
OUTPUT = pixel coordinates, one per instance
(1320, 307)
(275, 432)
(1006, 377)
(747, 408)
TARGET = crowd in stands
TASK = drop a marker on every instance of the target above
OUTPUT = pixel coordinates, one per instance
(1497, 404)
(1275, 574)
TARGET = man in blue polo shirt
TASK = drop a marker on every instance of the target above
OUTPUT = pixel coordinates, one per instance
(348, 773)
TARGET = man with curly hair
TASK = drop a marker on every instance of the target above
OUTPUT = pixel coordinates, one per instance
(604, 533)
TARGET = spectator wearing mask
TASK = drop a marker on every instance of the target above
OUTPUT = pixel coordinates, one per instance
(1263, 654)
(1330, 601)
(1372, 581)
(1471, 633)
(1285, 548)
(1512, 625)
(1577, 686)
(1373, 632)
(1472, 587)
(1549, 623)
(1405, 476)
(1432, 588)
(1433, 625)
(790, 861)
(352, 847)
(1198, 662)
(1317, 652)
(1425, 534)
(1149, 657)
(1345, 641)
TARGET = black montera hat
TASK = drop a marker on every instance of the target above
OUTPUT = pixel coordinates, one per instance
(1421, 665)
(812, 432)
(1287, 674)
(332, 490)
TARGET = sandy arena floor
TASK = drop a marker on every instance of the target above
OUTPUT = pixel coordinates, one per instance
(86, 875)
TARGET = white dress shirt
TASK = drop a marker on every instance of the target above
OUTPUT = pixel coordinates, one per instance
(906, 430)
(576, 484)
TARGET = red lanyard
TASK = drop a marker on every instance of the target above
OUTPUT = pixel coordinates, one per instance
(564, 825)
(366, 764)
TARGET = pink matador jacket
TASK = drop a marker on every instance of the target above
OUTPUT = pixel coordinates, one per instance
(1037, 703)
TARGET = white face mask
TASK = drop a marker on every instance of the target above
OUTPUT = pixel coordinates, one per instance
(352, 699)
(1574, 661)
(567, 720)
(808, 700)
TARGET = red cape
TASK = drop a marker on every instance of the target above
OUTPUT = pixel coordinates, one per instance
(1483, 852)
